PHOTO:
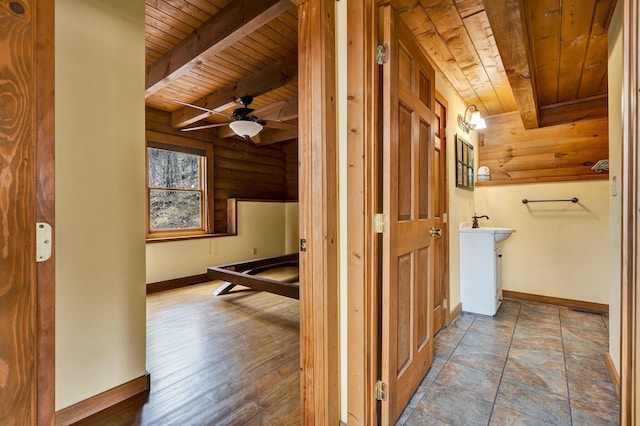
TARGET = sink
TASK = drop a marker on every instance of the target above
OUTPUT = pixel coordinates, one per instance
(499, 234)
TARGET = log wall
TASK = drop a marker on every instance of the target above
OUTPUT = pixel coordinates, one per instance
(558, 153)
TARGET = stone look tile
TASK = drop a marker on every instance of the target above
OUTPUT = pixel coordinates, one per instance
(475, 350)
(546, 379)
(583, 320)
(522, 351)
(592, 391)
(482, 384)
(419, 418)
(435, 369)
(492, 328)
(593, 368)
(503, 416)
(551, 329)
(538, 358)
(453, 407)
(530, 314)
(544, 406)
(585, 414)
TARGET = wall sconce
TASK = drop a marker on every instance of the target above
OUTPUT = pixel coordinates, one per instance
(475, 123)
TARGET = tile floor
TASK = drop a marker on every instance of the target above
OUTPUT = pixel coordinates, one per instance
(531, 364)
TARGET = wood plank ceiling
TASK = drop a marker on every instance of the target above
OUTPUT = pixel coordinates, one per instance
(211, 52)
(546, 59)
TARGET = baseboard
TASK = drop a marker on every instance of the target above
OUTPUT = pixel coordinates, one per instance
(176, 283)
(454, 313)
(569, 303)
(613, 373)
(102, 401)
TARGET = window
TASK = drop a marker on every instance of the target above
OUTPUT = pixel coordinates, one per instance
(179, 178)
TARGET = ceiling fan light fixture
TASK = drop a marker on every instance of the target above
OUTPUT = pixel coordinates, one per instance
(245, 128)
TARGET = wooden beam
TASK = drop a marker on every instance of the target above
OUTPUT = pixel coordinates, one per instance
(279, 110)
(291, 290)
(570, 112)
(511, 36)
(269, 78)
(233, 22)
(268, 137)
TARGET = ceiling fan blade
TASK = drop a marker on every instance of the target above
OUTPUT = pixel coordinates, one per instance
(206, 126)
(210, 111)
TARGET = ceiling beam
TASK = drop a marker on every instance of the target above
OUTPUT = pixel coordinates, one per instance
(269, 78)
(572, 111)
(509, 31)
(267, 137)
(232, 23)
(283, 110)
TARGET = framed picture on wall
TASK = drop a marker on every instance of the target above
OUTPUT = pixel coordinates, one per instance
(464, 164)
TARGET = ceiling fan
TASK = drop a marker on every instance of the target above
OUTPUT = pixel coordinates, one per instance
(241, 121)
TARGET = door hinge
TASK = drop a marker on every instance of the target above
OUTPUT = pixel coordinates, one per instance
(381, 391)
(382, 54)
(380, 223)
(445, 304)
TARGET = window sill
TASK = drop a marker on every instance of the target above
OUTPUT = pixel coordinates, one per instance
(188, 237)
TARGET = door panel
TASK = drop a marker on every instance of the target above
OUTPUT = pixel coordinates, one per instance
(408, 203)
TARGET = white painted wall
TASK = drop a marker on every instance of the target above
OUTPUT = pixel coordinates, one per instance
(341, 110)
(615, 171)
(269, 227)
(291, 227)
(461, 201)
(100, 199)
(558, 249)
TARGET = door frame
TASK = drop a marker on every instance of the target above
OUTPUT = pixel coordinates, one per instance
(318, 198)
(362, 182)
(629, 407)
(45, 205)
(39, 137)
(318, 219)
(445, 226)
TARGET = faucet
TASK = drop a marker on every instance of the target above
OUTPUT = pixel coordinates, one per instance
(475, 220)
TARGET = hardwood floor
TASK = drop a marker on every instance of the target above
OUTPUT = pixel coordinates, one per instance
(228, 360)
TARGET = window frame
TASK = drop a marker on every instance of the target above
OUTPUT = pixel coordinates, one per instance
(187, 146)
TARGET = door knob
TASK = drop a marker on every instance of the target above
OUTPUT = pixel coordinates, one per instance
(435, 233)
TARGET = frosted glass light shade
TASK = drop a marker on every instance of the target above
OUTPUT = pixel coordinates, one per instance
(477, 122)
(245, 128)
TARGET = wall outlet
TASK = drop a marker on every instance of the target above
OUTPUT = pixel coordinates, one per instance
(254, 251)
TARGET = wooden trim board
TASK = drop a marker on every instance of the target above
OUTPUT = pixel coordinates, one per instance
(613, 374)
(569, 303)
(176, 283)
(454, 313)
(102, 401)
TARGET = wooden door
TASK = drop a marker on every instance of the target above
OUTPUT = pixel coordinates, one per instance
(408, 204)
(439, 188)
(26, 196)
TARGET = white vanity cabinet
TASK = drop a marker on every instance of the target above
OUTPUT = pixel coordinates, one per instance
(481, 268)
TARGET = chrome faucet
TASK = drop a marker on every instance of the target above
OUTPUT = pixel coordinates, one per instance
(475, 220)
